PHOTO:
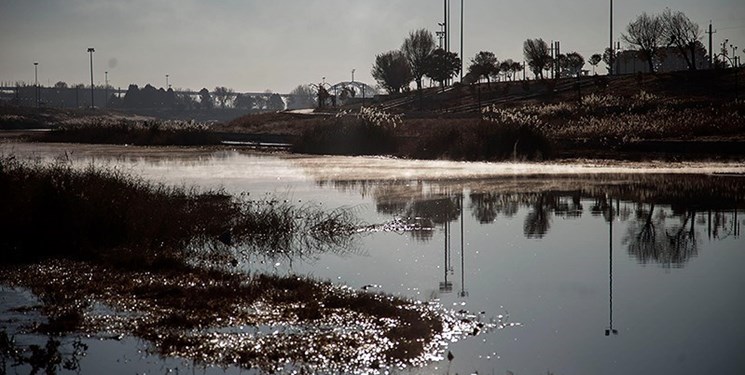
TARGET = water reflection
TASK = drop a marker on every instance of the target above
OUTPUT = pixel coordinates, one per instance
(662, 214)
(446, 286)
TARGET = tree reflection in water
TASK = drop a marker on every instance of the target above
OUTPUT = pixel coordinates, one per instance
(650, 238)
(663, 214)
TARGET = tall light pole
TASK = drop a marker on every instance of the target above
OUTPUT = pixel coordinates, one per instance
(166, 81)
(610, 51)
(461, 41)
(36, 82)
(90, 51)
(106, 89)
(734, 55)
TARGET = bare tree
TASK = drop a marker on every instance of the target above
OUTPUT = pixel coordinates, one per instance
(417, 48)
(645, 33)
(302, 96)
(537, 56)
(392, 71)
(681, 32)
(484, 64)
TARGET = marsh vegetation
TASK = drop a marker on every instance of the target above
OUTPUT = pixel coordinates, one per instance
(165, 263)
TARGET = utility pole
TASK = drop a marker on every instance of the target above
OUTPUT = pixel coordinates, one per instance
(444, 24)
(90, 51)
(711, 52)
(36, 83)
(106, 89)
(553, 60)
(441, 34)
(447, 25)
(610, 44)
(461, 41)
(557, 51)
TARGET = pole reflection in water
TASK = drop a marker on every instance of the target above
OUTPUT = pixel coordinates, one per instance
(463, 292)
(610, 328)
(447, 286)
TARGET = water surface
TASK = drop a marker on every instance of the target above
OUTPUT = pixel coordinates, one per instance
(611, 268)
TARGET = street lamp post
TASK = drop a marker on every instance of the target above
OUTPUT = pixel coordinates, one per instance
(610, 57)
(90, 51)
(734, 55)
(167, 82)
(106, 89)
(36, 82)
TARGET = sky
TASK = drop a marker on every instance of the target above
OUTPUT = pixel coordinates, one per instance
(260, 45)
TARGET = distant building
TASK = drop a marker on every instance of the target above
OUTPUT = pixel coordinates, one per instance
(667, 59)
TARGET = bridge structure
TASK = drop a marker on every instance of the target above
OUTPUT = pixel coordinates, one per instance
(80, 97)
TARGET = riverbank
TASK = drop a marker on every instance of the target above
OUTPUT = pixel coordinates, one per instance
(672, 116)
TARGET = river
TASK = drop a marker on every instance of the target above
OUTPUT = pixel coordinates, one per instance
(605, 267)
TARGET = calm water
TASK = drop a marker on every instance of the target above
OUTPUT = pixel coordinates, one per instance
(610, 269)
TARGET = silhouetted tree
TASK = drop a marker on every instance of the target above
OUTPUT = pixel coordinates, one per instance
(132, 97)
(223, 95)
(185, 101)
(442, 65)
(681, 32)
(645, 33)
(516, 67)
(607, 55)
(275, 103)
(244, 101)
(392, 71)
(170, 99)
(574, 63)
(537, 56)
(506, 68)
(302, 96)
(484, 64)
(205, 99)
(595, 59)
(417, 48)
(60, 85)
(150, 96)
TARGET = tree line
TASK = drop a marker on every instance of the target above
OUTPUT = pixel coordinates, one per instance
(418, 56)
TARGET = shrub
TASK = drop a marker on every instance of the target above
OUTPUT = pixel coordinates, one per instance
(487, 140)
(369, 132)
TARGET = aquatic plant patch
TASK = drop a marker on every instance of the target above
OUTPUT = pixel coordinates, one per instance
(228, 319)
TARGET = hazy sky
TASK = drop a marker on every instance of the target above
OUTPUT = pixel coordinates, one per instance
(253, 45)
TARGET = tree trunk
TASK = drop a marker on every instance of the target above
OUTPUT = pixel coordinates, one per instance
(693, 55)
(650, 60)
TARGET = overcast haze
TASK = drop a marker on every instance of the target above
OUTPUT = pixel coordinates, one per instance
(276, 45)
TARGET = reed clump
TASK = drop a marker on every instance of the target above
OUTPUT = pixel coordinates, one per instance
(367, 132)
(90, 213)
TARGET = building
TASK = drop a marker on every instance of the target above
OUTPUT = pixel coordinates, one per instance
(667, 59)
